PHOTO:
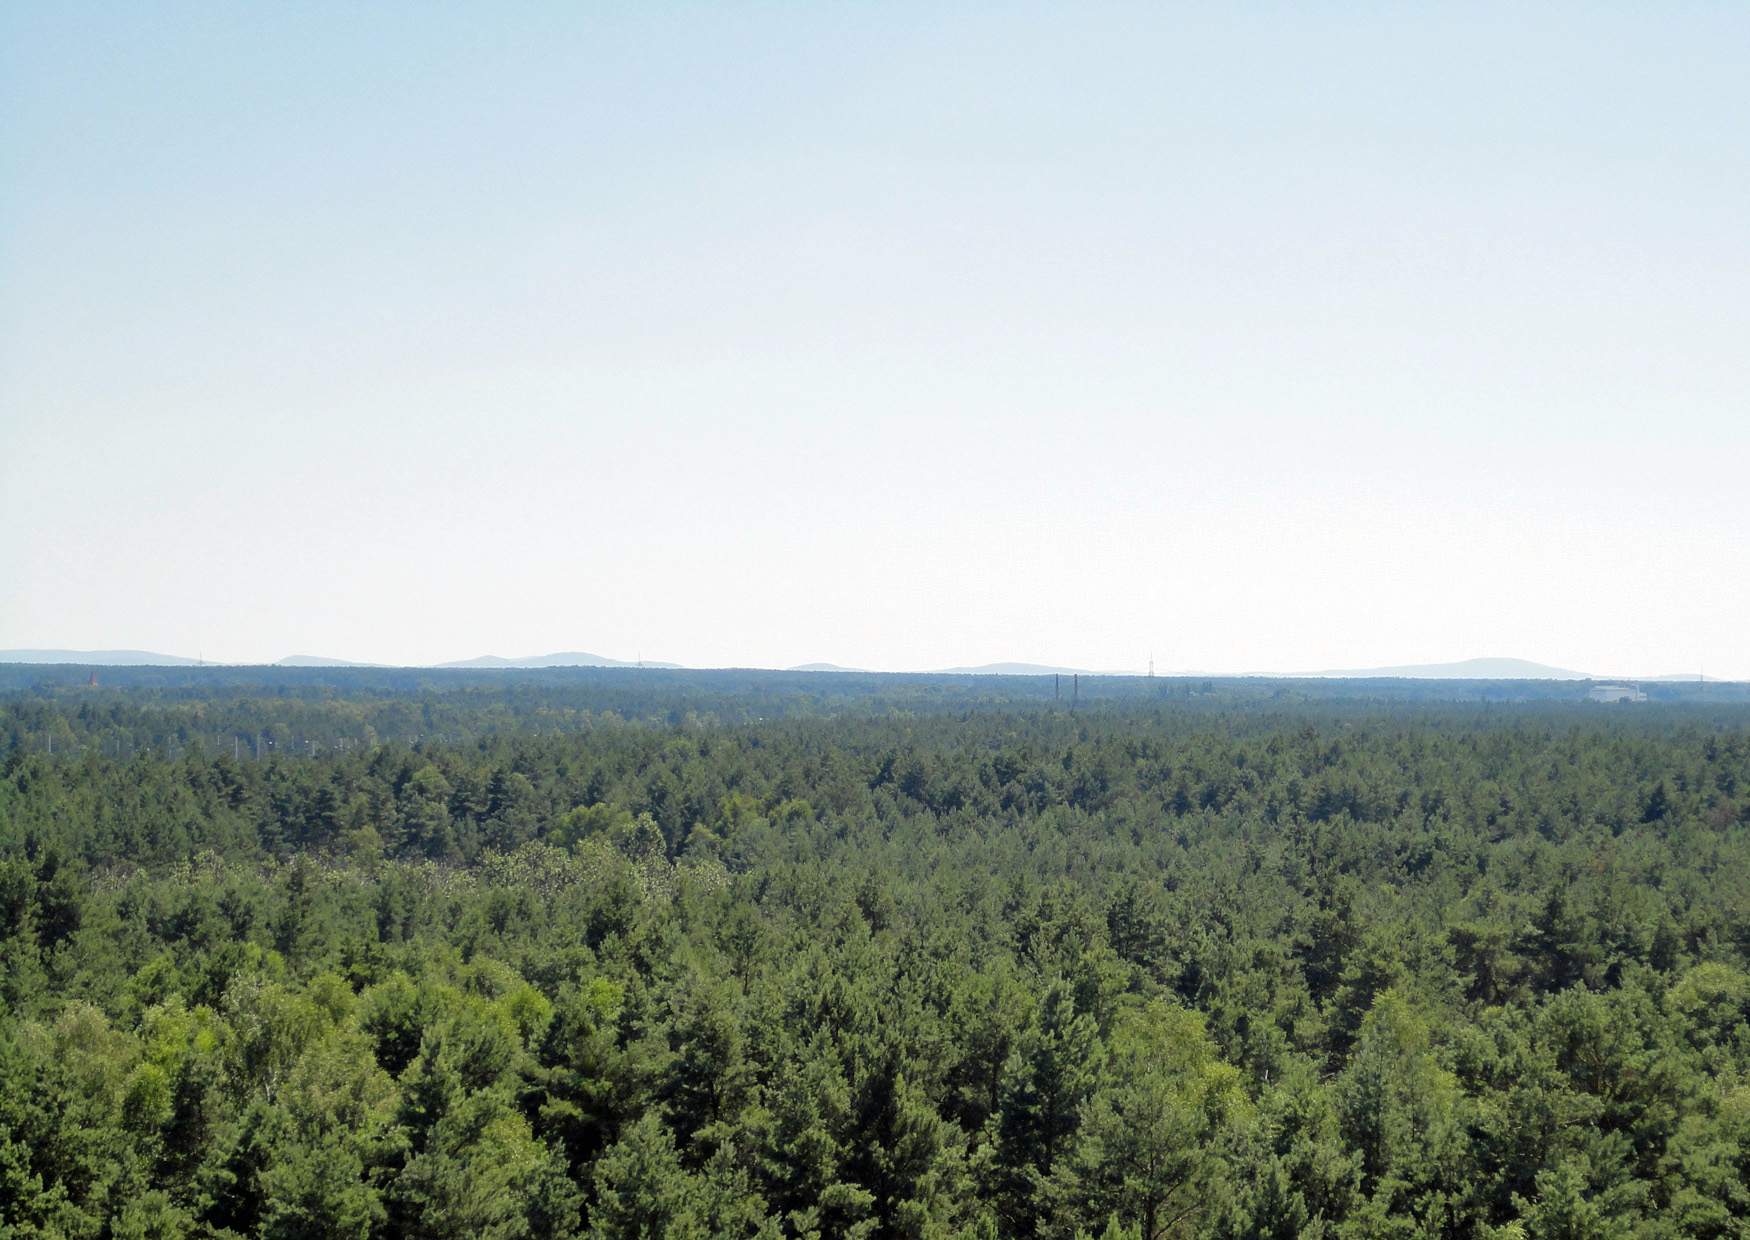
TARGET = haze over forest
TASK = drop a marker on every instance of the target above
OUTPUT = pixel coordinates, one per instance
(1467, 669)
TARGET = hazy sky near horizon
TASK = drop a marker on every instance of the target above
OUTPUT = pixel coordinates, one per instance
(1255, 337)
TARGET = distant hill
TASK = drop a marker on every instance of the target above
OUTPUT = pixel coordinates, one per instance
(1465, 669)
(101, 658)
(1014, 669)
(574, 658)
(823, 667)
(316, 660)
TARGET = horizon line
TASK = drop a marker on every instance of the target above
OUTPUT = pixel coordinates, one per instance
(997, 667)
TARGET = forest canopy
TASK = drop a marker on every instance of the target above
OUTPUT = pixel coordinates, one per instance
(729, 954)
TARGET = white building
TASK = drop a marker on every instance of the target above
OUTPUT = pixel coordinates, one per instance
(1615, 693)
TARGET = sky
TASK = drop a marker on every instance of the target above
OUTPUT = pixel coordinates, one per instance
(1249, 337)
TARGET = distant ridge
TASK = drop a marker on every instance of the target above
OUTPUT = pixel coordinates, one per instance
(101, 658)
(1015, 669)
(573, 658)
(1465, 669)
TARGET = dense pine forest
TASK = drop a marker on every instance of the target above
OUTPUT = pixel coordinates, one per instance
(661, 954)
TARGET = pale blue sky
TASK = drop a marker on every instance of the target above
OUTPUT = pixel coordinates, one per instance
(1258, 337)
